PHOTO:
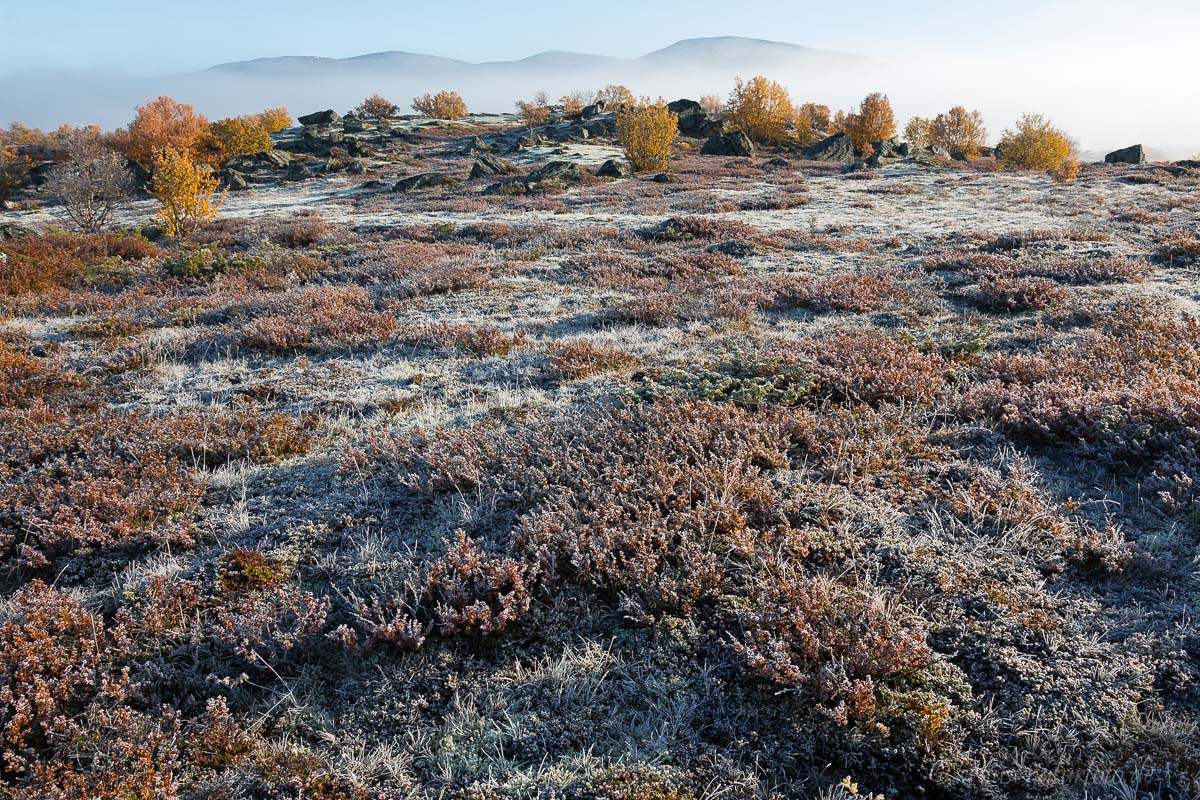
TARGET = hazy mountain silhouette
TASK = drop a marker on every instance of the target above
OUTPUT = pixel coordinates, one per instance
(305, 83)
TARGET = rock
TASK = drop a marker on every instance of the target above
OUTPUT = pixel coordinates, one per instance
(141, 173)
(838, 147)
(736, 248)
(298, 171)
(671, 230)
(604, 126)
(1188, 164)
(886, 148)
(275, 158)
(904, 149)
(987, 152)
(515, 187)
(326, 117)
(940, 152)
(930, 157)
(729, 144)
(244, 164)
(1128, 155)
(353, 125)
(555, 170)
(234, 180)
(693, 120)
(959, 155)
(426, 180)
(856, 166)
(664, 177)
(356, 167)
(488, 165)
(595, 109)
(10, 232)
(477, 145)
(778, 162)
(614, 169)
(358, 148)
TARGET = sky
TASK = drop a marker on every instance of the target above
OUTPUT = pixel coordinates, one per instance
(162, 36)
(1111, 69)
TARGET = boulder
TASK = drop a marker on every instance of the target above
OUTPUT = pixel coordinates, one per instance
(141, 173)
(601, 126)
(234, 180)
(595, 109)
(940, 152)
(354, 125)
(614, 169)
(664, 177)
(426, 180)
(475, 146)
(728, 144)
(10, 232)
(736, 248)
(1127, 155)
(777, 162)
(838, 147)
(356, 167)
(513, 187)
(298, 171)
(886, 148)
(488, 165)
(276, 158)
(693, 120)
(1188, 164)
(326, 117)
(244, 164)
(555, 170)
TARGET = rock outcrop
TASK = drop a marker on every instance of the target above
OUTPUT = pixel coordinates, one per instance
(1135, 154)
(728, 144)
(838, 147)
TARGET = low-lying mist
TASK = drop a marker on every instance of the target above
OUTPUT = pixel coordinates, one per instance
(1104, 104)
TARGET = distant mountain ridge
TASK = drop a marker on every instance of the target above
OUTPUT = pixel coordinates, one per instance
(687, 68)
(684, 53)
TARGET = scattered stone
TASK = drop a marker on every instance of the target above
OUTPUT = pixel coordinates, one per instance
(838, 147)
(141, 173)
(778, 162)
(736, 248)
(941, 152)
(555, 170)
(614, 169)
(728, 144)
(426, 180)
(1127, 155)
(326, 117)
(10, 232)
(693, 119)
(665, 177)
(477, 145)
(356, 167)
(594, 110)
(234, 180)
(298, 171)
(488, 165)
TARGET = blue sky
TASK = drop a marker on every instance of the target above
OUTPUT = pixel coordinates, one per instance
(154, 36)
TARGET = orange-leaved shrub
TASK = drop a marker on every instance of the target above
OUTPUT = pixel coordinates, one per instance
(186, 192)
(233, 137)
(161, 123)
(873, 122)
(1036, 144)
(959, 131)
(379, 107)
(443, 105)
(760, 108)
(647, 130)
